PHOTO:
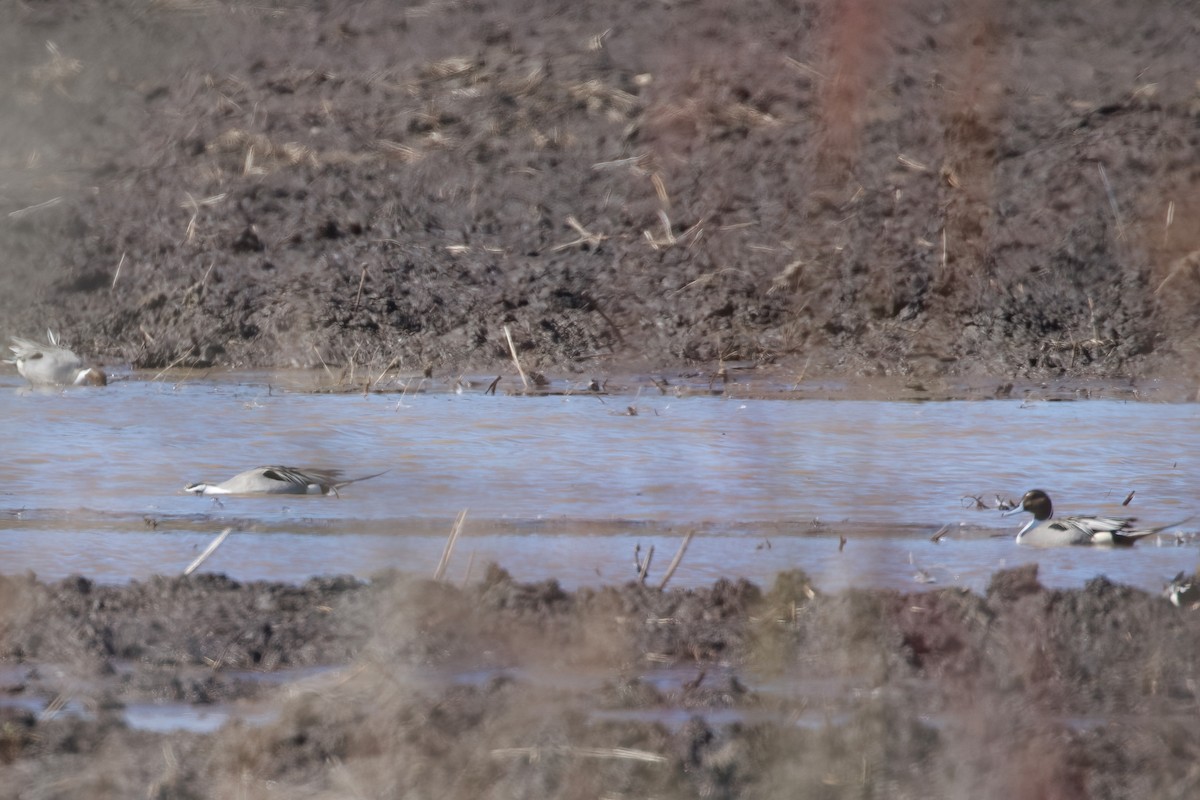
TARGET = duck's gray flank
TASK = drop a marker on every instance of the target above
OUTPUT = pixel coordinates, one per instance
(52, 364)
(279, 480)
(1045, 531)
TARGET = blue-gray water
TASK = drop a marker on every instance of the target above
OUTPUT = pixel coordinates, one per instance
(567, 486)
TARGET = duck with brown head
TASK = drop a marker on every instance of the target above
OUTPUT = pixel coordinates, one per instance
(1045, 531)
(53, 365)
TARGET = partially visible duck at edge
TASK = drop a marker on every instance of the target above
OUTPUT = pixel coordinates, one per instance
(53, 365)
(1044, 531)
(279, 480)
(1183, 590)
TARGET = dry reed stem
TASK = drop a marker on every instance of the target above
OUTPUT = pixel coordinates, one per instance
(164, 370)
(803, 372)
(788, 278)
(675, 561)
(805, 69)
(208, 551)
(660, 188)
(1112, 201)
(705, 278)
(448, 551)
(20, 212)
(512, 348)
(390, 364)
(470, 565)
(117, 274)
(362, 279)
(646, 565)
(535, 753)
(328, 371)
(1191, 259)
(53, 707)
(585, 236)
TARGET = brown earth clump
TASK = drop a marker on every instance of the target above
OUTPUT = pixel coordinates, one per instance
(832, 186)
(404, 687)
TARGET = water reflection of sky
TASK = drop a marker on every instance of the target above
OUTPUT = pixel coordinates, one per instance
(567, 486)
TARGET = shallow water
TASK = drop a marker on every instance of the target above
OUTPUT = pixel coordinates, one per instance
(568, 486)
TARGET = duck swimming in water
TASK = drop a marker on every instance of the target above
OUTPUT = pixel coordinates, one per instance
(52, 365)
(279, 480)
(1045, 531)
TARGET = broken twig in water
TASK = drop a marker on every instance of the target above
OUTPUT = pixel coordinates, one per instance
(675, 561)
(440, 572)
(208, 551)
(171, 366)
(644, 566)
(512, 348)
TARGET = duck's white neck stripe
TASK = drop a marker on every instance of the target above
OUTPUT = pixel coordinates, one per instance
(1025, 530)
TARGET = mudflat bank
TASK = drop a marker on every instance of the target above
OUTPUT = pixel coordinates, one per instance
(836, 188)
(397, 686)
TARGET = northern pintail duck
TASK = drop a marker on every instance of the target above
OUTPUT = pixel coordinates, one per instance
(1183, 590)
(279, 480)
(1043, 531)
(52, 365)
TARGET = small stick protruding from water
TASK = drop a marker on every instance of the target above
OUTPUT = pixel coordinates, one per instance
(171, 365)
(644, 567)
(390, 364)
(675, 561)
(512, 348)
(208, 551)
(1129, 497)
(492, 386)
(937, 537)
(842, 542)
(323, 364)
(440, 572)
(467, 575)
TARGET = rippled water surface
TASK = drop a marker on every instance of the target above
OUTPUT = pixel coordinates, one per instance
(569, 486)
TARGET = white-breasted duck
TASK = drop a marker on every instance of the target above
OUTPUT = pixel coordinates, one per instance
(1045, 531)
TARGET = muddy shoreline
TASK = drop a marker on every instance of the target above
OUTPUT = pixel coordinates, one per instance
(398, 685)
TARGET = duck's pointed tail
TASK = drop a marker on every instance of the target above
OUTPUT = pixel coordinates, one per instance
(1127, 538)
(333, 487)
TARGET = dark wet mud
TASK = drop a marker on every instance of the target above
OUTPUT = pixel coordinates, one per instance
(500, 689)
(841, 187)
